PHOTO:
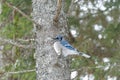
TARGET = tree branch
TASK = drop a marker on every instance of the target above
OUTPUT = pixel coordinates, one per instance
(18, 72)
(9, 41)
(22, 13)
(26, 40)
(59, 6)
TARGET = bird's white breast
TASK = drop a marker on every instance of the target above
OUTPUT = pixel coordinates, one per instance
(57, 47)
(60, 49)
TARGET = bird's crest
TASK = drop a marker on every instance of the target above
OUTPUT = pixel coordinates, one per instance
(58, 37)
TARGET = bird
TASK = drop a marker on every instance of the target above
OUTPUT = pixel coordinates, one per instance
(63, 47)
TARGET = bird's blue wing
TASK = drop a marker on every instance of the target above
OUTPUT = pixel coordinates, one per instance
(67, 45)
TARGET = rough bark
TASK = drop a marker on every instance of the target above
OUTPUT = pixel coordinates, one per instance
(49, 66)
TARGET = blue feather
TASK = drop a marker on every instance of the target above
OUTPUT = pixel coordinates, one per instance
(66, 44)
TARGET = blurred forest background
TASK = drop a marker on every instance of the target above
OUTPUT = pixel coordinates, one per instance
(95, 27)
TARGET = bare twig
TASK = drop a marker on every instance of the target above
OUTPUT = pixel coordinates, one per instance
(26, 40)
(22, 13)
(17, 72)
(70, 9)
(9, 41)
(59, 6)
(24, 71)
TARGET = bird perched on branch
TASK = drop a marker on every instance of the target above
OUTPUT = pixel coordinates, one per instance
(62, 47)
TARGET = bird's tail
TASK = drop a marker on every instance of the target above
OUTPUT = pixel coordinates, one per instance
(84, 55)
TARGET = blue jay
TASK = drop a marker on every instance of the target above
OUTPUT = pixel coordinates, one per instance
(62, 47)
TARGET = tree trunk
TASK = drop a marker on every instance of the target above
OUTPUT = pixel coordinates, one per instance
(46, 13)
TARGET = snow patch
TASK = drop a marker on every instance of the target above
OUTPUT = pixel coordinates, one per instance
(87, 77)
(97, 27)
(107, 67)
(111, 78)
(73, 32)
(106, 60)
(109, 18)
(100, 36)
(74, 74)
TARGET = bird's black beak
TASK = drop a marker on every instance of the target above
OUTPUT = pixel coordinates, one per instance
(54, 38)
